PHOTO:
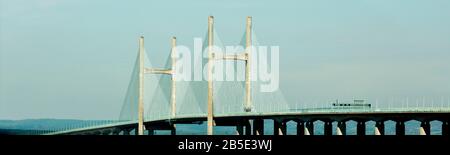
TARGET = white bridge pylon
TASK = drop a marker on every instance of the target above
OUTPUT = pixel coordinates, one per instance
(212, 56)
(143, 70)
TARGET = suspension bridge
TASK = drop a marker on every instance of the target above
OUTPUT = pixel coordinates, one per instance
(157, 100)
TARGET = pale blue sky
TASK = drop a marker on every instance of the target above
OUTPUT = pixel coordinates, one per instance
(72, 59)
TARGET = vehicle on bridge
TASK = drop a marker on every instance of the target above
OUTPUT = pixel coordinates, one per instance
(355, 104)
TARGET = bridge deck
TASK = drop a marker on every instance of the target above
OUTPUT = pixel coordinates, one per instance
(306, 114)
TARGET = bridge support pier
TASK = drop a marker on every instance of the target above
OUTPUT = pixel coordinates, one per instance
(425, 126)
(310, 127)
(244, 127)
(136, 131)
(379, 126)
(445, 128)
(279, 127)
(300, 128)
(361, 128)
(276, 127)
(258, 127)
(400, 128)
(338, 131)
(376, 131)
(240, 129)
(422, 131)
(343, 127)
(283, 128)
(173, 131)
(248, 127)
(328, 128)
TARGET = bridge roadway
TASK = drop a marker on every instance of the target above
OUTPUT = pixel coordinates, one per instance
(253, 123)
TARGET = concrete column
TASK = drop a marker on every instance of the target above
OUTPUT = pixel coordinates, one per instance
(210, 118)
(137, 132)
(361, 128)
(379, 126)
(173, 96)
(276, 127)
(300, 128)
(140, 128)
(283, 128)
(425, 127)
(445, 128)
(279, 128)
(376, 131)
(310, 128)
(338, 131)
(258, 127)
(240, 129)
(400, 128)
(248, 128)
(173, 131)
(307, 133)
(248, 44)
(343, 127)
(422, 131)
(328, 128)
